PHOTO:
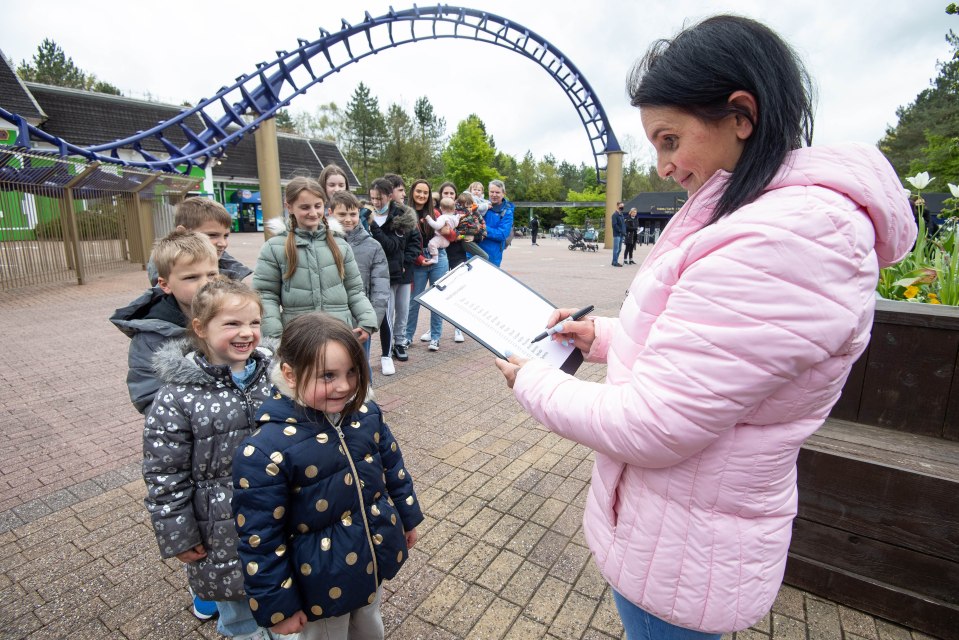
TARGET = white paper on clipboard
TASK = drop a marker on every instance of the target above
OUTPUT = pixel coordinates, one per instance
(499, 312)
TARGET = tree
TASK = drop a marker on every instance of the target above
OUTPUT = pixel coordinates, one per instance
(402, 153)
(284, 121)
(50, 65)
(325, 123)
(921, 137)
(365, 133)
(431, 130)
(468, 156)
(576, 216)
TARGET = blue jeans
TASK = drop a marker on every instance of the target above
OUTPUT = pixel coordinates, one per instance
(641, 625)
(617, 245)
(431, 272)
(236, 619)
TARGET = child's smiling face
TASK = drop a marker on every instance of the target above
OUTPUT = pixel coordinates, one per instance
(333, 384)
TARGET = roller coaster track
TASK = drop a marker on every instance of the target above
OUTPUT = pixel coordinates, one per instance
(240, 108)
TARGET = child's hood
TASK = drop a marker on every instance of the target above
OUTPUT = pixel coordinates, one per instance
(357, 236)
(404, 221)
(281, 226)
(176, 363)
(153, 311)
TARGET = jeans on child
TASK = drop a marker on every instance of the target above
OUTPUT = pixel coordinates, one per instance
(641, 625)
(236, 619)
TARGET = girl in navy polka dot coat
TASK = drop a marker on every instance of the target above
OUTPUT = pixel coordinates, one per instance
(324, 505)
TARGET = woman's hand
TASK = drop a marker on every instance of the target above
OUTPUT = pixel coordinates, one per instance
(293, 624)
(361, 335)
(511, 367)
(579, 333)
(192, 555)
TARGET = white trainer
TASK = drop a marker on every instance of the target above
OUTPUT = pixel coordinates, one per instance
(458, 336)
(386, 364)
(434, 345)
(426, 337)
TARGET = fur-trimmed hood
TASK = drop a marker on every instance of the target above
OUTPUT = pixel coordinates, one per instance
(404, 219)
(281, 226)
(178, 362)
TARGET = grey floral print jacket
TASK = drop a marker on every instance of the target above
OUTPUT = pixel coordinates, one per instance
(191, 433)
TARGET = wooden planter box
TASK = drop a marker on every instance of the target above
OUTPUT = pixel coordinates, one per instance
(878, 522)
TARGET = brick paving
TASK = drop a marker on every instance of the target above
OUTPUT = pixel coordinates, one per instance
(501, 553)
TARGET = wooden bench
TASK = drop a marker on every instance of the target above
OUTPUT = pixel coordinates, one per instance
(878, 521)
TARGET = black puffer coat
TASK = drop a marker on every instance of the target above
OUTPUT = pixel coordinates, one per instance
(191, 433)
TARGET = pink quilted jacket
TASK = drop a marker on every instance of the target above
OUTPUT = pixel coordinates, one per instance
(729, 351)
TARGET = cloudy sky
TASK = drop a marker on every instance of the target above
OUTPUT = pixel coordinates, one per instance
(866, 59)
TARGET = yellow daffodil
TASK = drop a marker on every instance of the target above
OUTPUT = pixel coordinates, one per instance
(911, 292)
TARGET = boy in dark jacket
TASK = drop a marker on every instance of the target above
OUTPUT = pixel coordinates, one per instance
(185, 261)
(210, 218)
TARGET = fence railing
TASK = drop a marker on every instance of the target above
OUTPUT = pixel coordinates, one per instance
(62, 219)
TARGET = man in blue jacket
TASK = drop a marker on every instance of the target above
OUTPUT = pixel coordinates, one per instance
(499, 222)
(619, 230)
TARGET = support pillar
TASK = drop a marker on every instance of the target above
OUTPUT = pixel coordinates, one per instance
(614, 192)
(268, 172)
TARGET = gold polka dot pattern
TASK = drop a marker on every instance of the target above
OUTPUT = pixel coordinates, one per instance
(306, 569)
(252, 568)
(289, 431)
(279, 512)
(351, 558)
(254, 541)
(317, 610)
(244, 483)
(280, 550)
(322, 505)
(336, 592)
(311, 471)
(277, 618)
(325, 544)
(248, 450)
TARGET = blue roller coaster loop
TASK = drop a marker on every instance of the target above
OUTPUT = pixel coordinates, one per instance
(241, 107)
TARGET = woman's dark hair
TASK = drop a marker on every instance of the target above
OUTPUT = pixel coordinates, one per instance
(699, 69)
(303, 348)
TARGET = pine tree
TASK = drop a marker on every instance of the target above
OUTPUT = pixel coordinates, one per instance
(365, 132)
(468, 156)
(50, 65)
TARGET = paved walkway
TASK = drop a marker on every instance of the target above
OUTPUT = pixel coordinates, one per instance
(501, 553)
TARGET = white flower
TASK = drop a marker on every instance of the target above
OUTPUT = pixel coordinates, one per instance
(920, 180)
(954, 190)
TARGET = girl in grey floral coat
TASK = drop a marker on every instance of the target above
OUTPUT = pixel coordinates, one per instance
(205, 408)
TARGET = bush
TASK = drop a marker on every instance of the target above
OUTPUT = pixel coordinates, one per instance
(92, 225)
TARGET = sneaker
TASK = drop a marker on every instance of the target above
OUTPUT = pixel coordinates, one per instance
(203, 609)
(426, 337)
(458, 336)
(386, 364)
(370, 394)
(434, 345)
(399, 352)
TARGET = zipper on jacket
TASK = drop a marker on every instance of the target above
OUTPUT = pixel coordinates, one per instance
(359, 493)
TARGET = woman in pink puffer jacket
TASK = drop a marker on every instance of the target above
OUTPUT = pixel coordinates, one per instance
(735, 339)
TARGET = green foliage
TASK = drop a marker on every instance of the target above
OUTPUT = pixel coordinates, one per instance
(284, 121)
(930, 272)
(577, 216)
(327, 122)
(468, 156)
(927, 129)
(92, 225)
(50, 65)
(365, 133)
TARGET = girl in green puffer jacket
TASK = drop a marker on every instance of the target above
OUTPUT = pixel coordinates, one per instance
(310, 267)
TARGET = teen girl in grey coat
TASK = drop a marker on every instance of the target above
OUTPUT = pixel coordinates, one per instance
(192, 430)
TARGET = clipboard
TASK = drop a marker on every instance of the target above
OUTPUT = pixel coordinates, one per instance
(498, 311)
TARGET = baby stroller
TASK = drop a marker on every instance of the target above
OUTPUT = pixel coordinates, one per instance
(577, 241)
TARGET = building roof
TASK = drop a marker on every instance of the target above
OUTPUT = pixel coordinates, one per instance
(88, 118)
(663, 203)
(14, 96)
(298, 156)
